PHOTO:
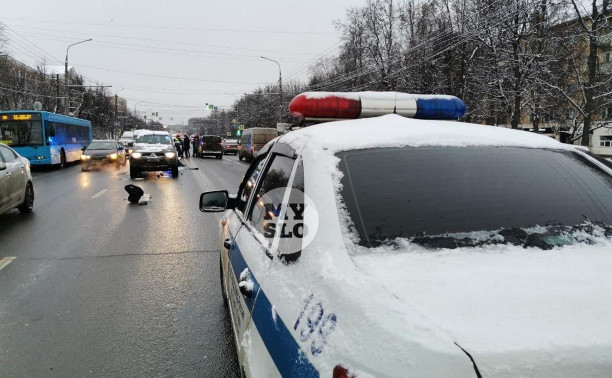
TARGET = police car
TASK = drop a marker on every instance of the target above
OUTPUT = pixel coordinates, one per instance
(397, 242)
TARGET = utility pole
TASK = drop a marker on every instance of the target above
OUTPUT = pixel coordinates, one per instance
(116, 123)
(66, 99)
(280, 88)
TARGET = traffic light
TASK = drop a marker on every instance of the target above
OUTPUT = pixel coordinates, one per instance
(238, 132)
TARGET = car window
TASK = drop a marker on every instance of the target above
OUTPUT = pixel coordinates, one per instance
(7, 154)
(438, 191)
(249, 183)
(266, 204)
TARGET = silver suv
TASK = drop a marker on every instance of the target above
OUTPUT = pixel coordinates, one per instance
(153, 151)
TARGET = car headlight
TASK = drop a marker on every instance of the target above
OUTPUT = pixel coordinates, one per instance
(85, 157)
(136, 155)
(113, 156)
(170, 154)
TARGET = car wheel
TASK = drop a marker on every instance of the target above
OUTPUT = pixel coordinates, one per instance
(219, 156)
(175, 172)
(222, 284)
(28, 201)
(133, 173)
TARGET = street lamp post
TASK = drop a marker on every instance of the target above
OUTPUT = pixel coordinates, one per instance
(66, 105)
(280, 87)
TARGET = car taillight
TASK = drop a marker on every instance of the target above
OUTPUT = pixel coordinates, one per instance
(251, 149)
(227, 146)
(342, 372)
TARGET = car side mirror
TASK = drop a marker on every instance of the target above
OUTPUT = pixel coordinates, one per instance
(214, 202)
(83, 148)
(2, 166)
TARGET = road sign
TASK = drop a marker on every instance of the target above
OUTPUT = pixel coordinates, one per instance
(229, 134)
(234, 121)
(240, 127)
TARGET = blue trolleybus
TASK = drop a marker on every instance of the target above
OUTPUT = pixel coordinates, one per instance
(45, 138)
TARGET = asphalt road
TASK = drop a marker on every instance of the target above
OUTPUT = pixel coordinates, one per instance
(100, 287)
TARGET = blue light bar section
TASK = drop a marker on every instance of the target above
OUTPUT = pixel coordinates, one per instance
(440, 108)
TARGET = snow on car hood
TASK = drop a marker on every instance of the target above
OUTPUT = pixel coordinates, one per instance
(518, 312)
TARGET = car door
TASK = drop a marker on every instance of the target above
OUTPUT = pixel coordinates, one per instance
(238, 254)
(4, 188)
(269, 213)
(251, 256)
(14, 176)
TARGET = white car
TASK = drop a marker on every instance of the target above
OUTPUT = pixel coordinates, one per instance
(16, 189)
(399, 247)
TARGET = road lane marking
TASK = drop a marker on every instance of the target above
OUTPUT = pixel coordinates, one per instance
(99, 193)
(5, 261)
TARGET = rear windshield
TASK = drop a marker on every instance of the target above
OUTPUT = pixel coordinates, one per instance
(414, 192)
(211, 139)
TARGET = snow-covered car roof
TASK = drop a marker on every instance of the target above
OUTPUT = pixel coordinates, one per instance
(397, 131)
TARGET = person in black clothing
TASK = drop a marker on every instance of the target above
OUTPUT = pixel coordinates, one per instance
(186, 145)
(195, 142)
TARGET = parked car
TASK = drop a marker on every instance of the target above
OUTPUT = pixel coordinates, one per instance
(153, 151)
(210, 145)
(127, 139)
(103, 152)
(230, 146)
(16, 188)
(253, 140)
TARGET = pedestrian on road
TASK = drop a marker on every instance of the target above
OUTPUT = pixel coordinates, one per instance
(186, 145)
(178, 145)
(196, 142)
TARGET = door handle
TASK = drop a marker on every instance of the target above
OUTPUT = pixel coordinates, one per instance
(227, 244)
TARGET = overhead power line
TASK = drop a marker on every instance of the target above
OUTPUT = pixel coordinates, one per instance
(188, 28)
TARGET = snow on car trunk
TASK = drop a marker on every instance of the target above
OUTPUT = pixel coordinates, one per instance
(518, 312)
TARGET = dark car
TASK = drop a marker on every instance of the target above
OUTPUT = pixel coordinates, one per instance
(230, 146)
(103, 152)
(153, 151)
(211, 145)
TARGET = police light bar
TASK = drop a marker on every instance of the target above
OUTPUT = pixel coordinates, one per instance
(351, 105)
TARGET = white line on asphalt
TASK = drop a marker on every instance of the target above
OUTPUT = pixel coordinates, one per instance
(5, 261)
(99, 193)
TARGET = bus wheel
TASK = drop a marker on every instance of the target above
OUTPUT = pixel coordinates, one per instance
(62, 159)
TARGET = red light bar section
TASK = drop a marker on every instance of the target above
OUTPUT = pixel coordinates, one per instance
(304, 106)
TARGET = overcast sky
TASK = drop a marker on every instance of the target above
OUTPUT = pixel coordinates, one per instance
(174, 56)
